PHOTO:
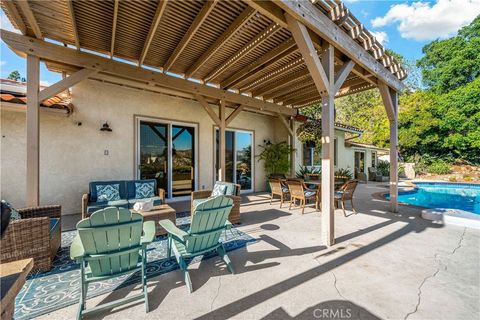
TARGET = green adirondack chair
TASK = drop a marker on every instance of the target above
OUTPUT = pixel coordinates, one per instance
(110, 243)
(209, 220)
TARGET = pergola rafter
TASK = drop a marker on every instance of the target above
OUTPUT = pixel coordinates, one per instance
(249, 52)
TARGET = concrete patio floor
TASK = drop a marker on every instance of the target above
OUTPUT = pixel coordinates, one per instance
(384, 265)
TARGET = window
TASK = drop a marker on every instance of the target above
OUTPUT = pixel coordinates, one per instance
(166, 152)
(313, 156)
(359, 161)
(238, 157)
(374, 159)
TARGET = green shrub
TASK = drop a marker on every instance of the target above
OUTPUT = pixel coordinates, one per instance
(383, 168)
(304, 171)
(452, 179)
(438, 167)
(467, 178)
(344, 173)
(276, 157)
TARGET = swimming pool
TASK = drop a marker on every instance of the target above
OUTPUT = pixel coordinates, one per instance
(443, 195)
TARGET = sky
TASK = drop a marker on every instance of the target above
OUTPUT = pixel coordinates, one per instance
(404, 26)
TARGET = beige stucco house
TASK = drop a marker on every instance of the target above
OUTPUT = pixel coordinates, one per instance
(183, 158)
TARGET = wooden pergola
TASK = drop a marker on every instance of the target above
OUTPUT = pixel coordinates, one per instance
(270, 57)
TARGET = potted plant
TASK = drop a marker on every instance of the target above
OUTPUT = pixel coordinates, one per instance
(276, 158)
(343, 175)
(383, 171)
(304, 172)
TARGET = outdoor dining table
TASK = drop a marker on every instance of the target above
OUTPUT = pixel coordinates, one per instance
(316, 183)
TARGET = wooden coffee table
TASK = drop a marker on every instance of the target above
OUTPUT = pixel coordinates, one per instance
(163, 211)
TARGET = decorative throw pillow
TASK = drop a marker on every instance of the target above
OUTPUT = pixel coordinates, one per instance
(144, 190)
(108, 192)
(219, 190)
(14, 215)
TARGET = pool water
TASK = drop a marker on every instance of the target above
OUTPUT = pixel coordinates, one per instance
(444, 195)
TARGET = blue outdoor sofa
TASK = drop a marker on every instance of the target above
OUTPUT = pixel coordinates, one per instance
(120, 194)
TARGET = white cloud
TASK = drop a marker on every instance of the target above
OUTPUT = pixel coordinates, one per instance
(5, 23)
(44, 83)
(381, 36)
(2, 63)
(425, 21)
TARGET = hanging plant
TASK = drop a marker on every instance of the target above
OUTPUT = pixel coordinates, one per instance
(310, 131)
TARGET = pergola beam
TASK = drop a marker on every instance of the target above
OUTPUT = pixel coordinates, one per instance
(114, 27)
(226, 35)
(32, 21)
(73, 21)
(342, 75)
(52, 52)
(286, 125)
(153, 29)
(234, 114)
(66, 83)
(196, 24)
(208, 109)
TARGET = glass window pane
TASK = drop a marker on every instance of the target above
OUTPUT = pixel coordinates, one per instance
(244, 159)
(229, 155)
(154, 152)
(182, 160)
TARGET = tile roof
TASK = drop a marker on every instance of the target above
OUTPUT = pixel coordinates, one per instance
(15, 92)
(338, 125)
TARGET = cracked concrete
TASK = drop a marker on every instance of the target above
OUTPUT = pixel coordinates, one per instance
(384, 266)
(438, 261)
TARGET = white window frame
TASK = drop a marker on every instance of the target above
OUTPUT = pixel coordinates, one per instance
(170, 124)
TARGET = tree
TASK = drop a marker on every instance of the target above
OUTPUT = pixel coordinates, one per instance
(451, 63)
(14, 75)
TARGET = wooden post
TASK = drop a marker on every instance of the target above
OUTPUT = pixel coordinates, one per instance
(328, 136)
(293, 145)
(394, 155)
(33, 131)
(221, 141)
(327, 84)
(390, 101)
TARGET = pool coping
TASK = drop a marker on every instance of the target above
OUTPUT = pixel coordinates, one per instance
(459, 218)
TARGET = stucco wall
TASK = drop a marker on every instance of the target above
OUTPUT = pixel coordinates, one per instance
(72, 155)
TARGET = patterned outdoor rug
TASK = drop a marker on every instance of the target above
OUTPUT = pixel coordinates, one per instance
(45, 292)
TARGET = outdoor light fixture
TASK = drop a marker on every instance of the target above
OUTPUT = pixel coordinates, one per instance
(106, 127)
(267, 142)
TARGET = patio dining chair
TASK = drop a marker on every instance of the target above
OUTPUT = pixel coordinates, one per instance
(299, 191)
(278, 189)
(112, 242)
(346, 193)
(209, 220)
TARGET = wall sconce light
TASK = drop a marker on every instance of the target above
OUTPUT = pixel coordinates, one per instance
(106, 127)
(267, 142)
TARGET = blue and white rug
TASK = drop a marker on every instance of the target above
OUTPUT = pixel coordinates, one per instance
(45, 292)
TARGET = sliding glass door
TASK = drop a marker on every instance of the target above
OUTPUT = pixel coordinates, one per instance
(166, 151)
(238, 158)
